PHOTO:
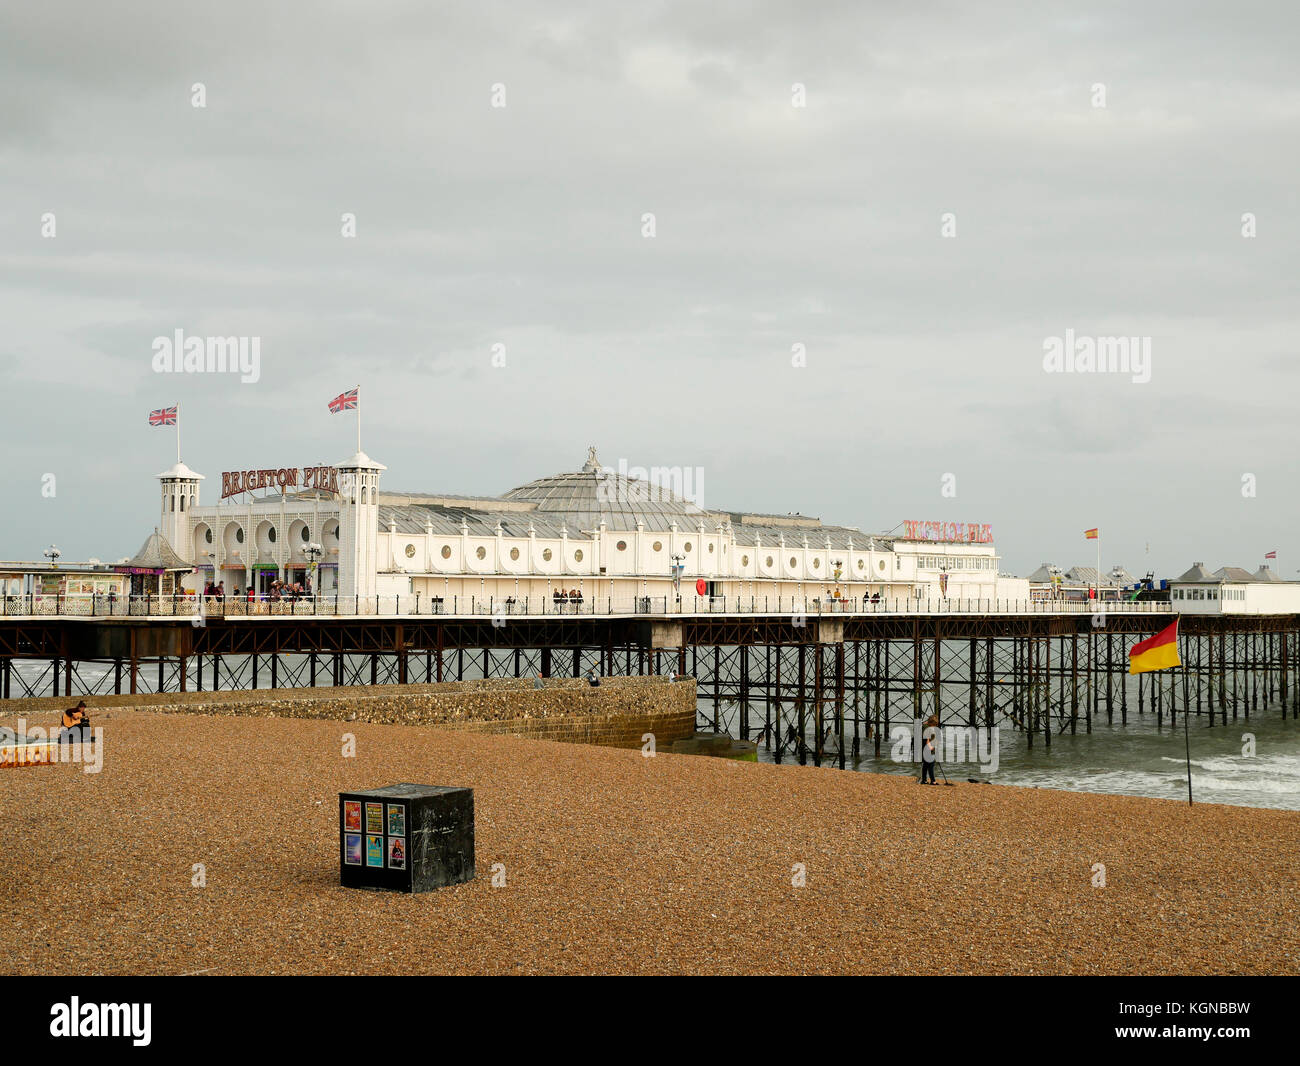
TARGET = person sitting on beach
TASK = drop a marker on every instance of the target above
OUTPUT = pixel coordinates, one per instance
(593, 679)
(76, 724)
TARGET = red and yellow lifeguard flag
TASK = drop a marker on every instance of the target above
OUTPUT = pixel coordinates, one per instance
(1155, 653)
(1089, 534)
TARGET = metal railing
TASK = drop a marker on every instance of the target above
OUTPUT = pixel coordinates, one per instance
(81, 605)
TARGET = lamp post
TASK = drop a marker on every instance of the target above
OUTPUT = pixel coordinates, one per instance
(53, 554)
(314, 551)
(678, 565)
(1116, 576)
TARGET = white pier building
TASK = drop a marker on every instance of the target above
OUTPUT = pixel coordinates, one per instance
(593, 531)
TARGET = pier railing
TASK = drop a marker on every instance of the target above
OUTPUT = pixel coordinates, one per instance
(199, 608)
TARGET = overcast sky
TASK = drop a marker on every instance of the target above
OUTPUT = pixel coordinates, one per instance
(775, 225)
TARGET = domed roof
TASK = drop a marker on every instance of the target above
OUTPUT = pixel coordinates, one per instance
(582, 498)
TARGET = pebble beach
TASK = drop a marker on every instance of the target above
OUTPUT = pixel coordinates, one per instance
(615, 863)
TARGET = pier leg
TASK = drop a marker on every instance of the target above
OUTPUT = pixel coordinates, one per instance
(1074, 684)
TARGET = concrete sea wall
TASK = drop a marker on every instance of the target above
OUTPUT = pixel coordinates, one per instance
(616, 713)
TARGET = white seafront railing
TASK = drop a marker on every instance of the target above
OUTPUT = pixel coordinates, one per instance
(197, 609)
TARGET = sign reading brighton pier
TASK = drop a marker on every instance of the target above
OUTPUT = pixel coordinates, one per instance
(325, 478)
(968, 532)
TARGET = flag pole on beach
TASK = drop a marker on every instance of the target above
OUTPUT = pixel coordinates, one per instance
(1161, 653)
(1187, 746)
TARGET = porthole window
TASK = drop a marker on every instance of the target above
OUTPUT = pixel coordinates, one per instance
(881, 564)
(514, 553)
(270, 534)
(410, 551)
(710, 549)
(769, 562)
(793, 562)
(208, 536)
(817, 564)
(239, 535)
(657, 546)
(577, 556)
(744, 560)
(688, 545)
(306, 534)
(546, 554)
(481, 553)
(859, 564)
(446, 551)
(621, 545)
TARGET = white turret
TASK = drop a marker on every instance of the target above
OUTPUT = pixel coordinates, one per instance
(358, 524)
(180, 495)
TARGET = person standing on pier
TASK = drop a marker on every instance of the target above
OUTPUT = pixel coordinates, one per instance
(927, 759)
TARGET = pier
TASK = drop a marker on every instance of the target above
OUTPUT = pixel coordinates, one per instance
(816, 682)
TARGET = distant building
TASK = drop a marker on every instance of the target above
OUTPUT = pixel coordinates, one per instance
(1051, 582)
(1233, 590)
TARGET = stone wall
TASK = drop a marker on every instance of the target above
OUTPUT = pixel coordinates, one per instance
(617, 713)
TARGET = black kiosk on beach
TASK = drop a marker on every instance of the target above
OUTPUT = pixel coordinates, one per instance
(406, 837)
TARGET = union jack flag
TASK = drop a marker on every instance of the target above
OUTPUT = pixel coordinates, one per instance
(164, 416)
(1270, 555)
(344, 401)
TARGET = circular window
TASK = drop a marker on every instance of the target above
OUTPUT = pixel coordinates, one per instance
(514, 553)
(621, 545)
(239, 536)
(546, 554)
(208, 536)
(577, 556)
(744, 560)
(882, 564)
(859, 564)
(769, 561)
(410, 551)
(793, 562)
(306, 534)
(481, 553)
(817, 563)
(688, 545)
(270, 534)
(710, 549)
(446, 551)
(657, 546)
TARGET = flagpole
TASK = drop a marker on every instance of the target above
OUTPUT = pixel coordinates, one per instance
(178, 434)
(358, 419)
(1187, 744)
(1099, 567)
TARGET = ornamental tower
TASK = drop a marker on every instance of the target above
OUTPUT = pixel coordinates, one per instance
(358, 525)
(180, 495)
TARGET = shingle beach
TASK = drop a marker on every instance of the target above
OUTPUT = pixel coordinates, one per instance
(615, 863)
